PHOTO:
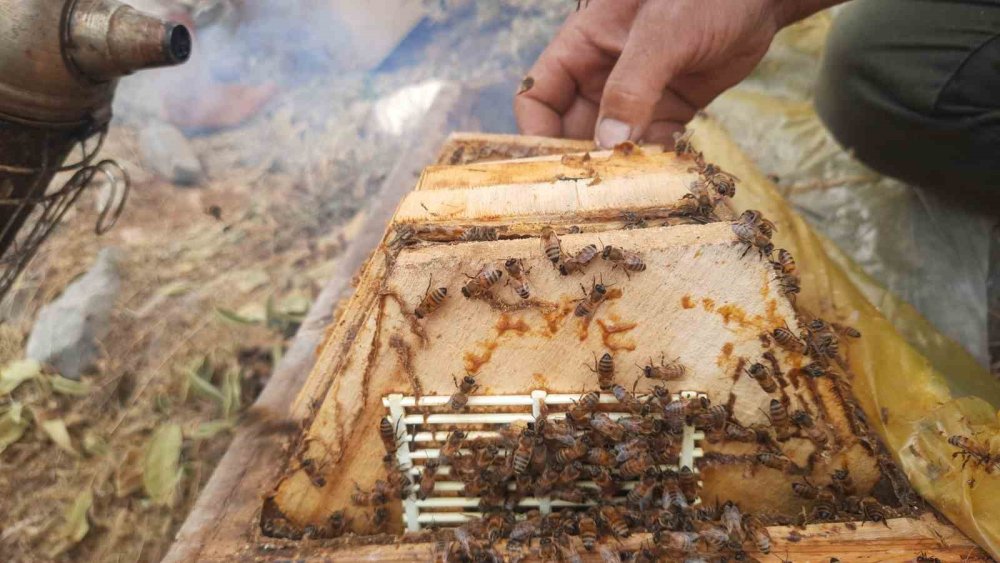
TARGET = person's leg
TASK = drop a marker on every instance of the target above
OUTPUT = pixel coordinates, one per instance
(912, 88)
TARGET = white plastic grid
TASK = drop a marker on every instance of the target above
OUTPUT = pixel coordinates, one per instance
(406, 453)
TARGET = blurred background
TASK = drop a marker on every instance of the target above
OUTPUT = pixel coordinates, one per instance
(253, 166)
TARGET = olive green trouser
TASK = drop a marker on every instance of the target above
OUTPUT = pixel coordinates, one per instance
(912, 88)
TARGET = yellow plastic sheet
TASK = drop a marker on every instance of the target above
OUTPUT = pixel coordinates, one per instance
(914, 406)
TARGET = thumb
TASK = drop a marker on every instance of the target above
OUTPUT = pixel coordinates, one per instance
(637, 81)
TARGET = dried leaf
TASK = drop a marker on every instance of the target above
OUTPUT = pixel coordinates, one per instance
(128, 474)
(16, 373)
(66, 386)
(207, 430)
(75, 525)
(161, 469)
(56, 429)
(233, 317)
(204, 388)
(12, 426)
(94, 444)
(249, 280)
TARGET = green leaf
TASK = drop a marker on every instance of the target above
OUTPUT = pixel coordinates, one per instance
(231, 393)
(66, 386)
(75, 525)
(12, 426)
(161, 468)
(56, 429)
(16, 373)
(207, 430)
(204, 388)
(234, 317)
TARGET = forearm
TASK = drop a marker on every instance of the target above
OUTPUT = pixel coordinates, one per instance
(791, 11)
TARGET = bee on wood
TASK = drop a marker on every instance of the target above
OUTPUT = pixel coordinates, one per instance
(380, 517)
(572, 453)
(755, 231)
(481, 283)
(732, 521)
(479, 233)
(629, 261)
(431, 302)
(602, 423)
(805, 490)
(714, 538)
(560, 432)
(633, 220)
(688, 482)
(762, 375)
(452, 444)
(309, 466)
(579, 415)
(612, 518)
(785, 263)
(601, 457)
(636, 466)
(551, 245)
(587, 527)
(515, 269)
(588, 305)
(361, 497)
(605, 370)
(779, 419)
(675, 416)
(579, 261)
(460, 398)
(923, 557)
(628, 400)
(809, 429)
(427, 478)
(873, 511)
(627, 450)
(698, 208)
(666, 371)
(825, 507)
(682, 143)
(713, 419)
(738, 433)
(788, 284)
(843, 483)
(787, 340)
(776, 461)
(604, 481)
(814, 369)
(388, 434)
(974, 451)
(522, 455)
(757, 532)
(397, 475)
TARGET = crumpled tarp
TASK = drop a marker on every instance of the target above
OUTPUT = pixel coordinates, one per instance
(913, 403)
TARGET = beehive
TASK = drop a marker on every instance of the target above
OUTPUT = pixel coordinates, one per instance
(703, 300)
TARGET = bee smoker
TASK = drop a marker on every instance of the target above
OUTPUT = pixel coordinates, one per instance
(60, 61)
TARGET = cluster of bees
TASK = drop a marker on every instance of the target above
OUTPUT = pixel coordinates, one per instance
(820, 341)
(976, 452)
(839, 498)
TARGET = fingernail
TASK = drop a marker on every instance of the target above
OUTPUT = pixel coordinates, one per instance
(611, 132)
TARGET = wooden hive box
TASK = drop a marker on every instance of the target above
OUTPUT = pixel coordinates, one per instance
(702, 301)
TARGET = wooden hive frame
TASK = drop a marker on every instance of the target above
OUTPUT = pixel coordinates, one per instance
(339, 438)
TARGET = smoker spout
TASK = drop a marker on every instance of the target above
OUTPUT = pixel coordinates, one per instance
(106, 39)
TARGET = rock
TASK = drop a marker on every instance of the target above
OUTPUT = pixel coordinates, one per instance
(169, 153)
(68, 329)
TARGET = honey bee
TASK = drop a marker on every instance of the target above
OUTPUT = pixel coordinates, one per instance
(601, 457)
(824, 507)
(757, 532)
(515, 269)
(785, 263)
(971, 450)
(547, 480)
(387, 433)
(572, 453)
(762, 375)
(672, 495)
(682, 143)
(480, 233)
(571, 473)
(787, 340)
(627, 400)
(551, 245)
(380, 517)
(629, 261)
(481, 283)
(460, 398)
(633, 220)
(431, 302)
(775, 461)
(427, 477)
(602, 423)
(712, 419)
(609, 554)
(612, 518)
(688, 482)
(698, 208)
(360, 497)
(739, 433)
(675, 416)
(788, 284)
(587, 527)
(753, 230)
(636, 466)
(560, 432)
(641, 425)
(666, 371)
(452, 444)
(579, 415)
(805, 490)
(579, 261)
(723, 183)
(779, 419)
(873, 511)
(843, 483)
(604, 481)
(588, 305)
(605, 370)
(732, 521)
(846, 330)
(628, 450)
(684, 542)
(715, 539)
(547, 549)
(809, 428)
(397, 475)
(814, 369)
(522, 455)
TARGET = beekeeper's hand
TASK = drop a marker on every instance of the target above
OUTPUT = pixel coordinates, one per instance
(639, 70)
